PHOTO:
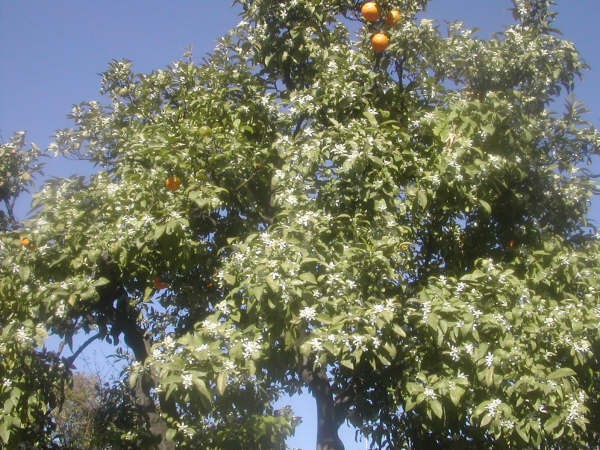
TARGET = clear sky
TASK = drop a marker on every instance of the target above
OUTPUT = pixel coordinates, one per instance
(51, 53)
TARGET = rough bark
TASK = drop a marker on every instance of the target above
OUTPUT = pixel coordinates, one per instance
(140, 345)
(121, 317)
(328, 417)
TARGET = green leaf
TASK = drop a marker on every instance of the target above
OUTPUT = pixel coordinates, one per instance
(159, 230)
(413, 388)
(133, 377)
(561, 373)
(170, 434)
(371, 118)
(25, 273)
(348, 363)
(552, 423)
(148, 293)
(273, 284)
(257, 291)
(523, 432)
(399, 331)
(436, 408)
(309, 277)
(221, 383)
(486, 206)
(384, 360)
(250, 366)
(199, 199)
(4, 432)
(202, 389)
(102, 281)
(456, 394)
(486, 420)
(422, 198)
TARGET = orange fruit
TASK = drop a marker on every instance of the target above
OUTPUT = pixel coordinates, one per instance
(370, 11)
(512, 243)
(379, 42)
(393, 17)
(159, 284)
(25, 242)
(172, 183)
(204, 131)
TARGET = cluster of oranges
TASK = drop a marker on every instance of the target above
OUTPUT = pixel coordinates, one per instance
(372, 13)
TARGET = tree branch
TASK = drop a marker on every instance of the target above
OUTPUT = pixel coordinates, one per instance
(69, 361)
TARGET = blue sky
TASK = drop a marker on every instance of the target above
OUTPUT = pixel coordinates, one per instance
(53, 51)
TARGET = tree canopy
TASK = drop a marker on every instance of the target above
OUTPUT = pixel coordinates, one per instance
(399, 227)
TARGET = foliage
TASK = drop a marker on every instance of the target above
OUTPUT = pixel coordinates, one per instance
(31, 377)
(18, 166)
(403, 234)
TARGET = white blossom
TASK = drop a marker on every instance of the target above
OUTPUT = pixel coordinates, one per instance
(308, 313)
(454, 353)
(493, 406)
(223, 307)
(201, 348)
(229, 366)
(185, 429)
(316, 344)
(61, 310)
(210, 326)
(429, 393)
(250, 348)
(23, 336)
(186, 380)
(575, 411)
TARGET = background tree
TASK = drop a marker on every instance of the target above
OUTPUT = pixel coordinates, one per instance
(402, 231)
(96, 415)
(74, 418)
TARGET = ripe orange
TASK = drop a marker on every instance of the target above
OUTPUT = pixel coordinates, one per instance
(160, 284)
(172, 183)
(370, 11)
(512, 243)
(25, 242)
(379, 42)
(393, 17)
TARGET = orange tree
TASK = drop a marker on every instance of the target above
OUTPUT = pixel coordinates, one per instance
(401, 233)
(31, 378)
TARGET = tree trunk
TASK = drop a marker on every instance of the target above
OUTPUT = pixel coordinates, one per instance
(123, 319)
(157, 425)
(140, 345)
(328, 421)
